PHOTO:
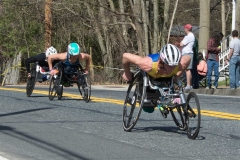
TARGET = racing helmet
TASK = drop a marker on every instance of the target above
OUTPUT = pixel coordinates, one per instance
(170, 55)
(73, 49)
(50, 50)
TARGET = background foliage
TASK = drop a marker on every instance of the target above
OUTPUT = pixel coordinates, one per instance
(109, 27)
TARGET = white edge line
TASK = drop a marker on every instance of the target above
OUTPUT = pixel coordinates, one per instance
(2, 158)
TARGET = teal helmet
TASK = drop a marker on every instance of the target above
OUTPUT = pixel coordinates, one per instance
(73, 49)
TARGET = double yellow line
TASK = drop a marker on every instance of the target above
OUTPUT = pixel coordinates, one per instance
(209, 113)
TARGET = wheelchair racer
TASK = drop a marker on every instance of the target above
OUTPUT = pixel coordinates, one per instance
(72, 57)
(167, 62)
(42, 61)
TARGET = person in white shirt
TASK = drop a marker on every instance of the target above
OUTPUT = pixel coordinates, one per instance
(187, 49)
(234, 61)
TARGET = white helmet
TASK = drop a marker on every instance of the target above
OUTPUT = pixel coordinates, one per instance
(50, 50)
(170, 55)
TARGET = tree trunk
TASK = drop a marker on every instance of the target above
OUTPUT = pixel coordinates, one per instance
(107, 56)
(119, 36)
(136, 7)
(165, 23)
(48, 23)
(123, 19)
(237, 26)
(155, 40)
(145, 27)
(204, 24)
(223, 10)
(171, 23)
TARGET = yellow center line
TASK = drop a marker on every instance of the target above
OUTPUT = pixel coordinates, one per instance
(209, 113)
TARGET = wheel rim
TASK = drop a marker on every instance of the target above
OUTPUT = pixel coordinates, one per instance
(178, 117)
(52, 90)
(85, 88)
(133, 103)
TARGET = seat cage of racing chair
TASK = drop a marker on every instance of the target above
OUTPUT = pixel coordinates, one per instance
(69, 71)
(161, 89)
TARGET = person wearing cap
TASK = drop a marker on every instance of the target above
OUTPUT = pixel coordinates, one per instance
(187, 49)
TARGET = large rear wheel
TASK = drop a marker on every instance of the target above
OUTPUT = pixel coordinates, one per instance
(31, 83)
(84, 85)
(134, 101)
(52, 89)
(55, 87)
(193, 120)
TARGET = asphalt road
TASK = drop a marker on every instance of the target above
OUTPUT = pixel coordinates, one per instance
(34, 128)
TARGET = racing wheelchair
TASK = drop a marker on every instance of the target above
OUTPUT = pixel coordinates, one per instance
(67, 76)
(37, 74)
(168, 96)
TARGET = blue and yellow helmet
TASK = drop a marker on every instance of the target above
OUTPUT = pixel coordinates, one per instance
(73, 49)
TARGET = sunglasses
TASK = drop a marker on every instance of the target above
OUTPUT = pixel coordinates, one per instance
(161, 64)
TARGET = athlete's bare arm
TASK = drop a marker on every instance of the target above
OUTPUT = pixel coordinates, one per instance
(60, 56)
(87, 58)
(145, 63)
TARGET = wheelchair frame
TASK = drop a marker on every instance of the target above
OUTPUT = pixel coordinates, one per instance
(35, 73)
(149, 93)
(82, 80)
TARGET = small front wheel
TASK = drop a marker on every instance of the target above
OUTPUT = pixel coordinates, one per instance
(193, 120)
(178, 117)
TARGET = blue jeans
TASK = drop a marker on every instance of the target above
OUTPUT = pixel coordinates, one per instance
(212, 64)
(234, 69)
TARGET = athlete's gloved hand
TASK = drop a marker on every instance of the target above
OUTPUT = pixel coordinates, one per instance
(53, 72)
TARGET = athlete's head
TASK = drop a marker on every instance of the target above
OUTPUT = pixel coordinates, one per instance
(50, 50)
(73, 49)
(170, 55)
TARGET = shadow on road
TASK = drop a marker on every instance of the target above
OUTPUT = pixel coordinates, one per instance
(24, 111)
(62, 152)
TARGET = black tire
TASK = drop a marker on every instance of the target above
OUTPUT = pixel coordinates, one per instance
(55, 87)
(193, 120)
(84, 85)
(178, 117)
(52, 89)
(134, 102)
(31, 83)
(60, 92)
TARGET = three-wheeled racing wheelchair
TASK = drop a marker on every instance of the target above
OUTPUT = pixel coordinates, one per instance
(38, 74)
(166, 94)
(68, 75)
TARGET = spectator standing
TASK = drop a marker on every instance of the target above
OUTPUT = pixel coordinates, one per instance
(187, 49)
(234, 60)
(213, 49)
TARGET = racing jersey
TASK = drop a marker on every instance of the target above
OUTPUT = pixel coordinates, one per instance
(154, 72)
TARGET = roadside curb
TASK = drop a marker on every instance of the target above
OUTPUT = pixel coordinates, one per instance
(219, 91)
(224, 91)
